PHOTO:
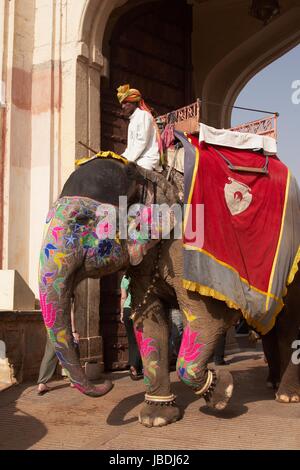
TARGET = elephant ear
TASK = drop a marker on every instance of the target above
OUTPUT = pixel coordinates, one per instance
(166, 192)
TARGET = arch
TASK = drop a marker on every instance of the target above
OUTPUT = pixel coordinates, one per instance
(92, 26)
(229, 76)
(90, 64)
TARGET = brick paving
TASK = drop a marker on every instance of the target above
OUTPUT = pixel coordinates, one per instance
(64, 419)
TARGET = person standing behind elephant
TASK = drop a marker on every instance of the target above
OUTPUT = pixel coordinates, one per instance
(144, 145)
(50, 360)
(134, 359)
(176, 330)
(220, 351)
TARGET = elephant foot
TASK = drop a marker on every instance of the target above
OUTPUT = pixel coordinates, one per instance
(156, 415)
(289, 389)
(93, 391)
(288, 395)
(219, 389)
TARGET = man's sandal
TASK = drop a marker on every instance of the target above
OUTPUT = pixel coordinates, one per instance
(134, 375)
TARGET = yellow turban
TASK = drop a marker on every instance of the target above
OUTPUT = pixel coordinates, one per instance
(125, 93)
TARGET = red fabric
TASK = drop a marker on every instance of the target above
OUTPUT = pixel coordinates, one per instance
(145, 107)
(167, 136)
(246, 241)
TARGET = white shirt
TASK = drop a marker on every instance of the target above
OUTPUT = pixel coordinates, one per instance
(142, 146)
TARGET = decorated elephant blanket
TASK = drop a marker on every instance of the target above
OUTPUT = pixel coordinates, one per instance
(241, 229)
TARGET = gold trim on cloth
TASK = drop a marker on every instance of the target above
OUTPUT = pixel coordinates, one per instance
(222, 263)
(209, 292)
(108, 154)
(294, 269)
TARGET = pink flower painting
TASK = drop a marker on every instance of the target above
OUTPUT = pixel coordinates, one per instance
(48, 310)
(144, 344)
(190, 348)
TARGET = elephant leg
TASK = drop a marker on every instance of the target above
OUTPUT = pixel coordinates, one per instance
(207, 320)
(289, 388)
(152, 333)
(288, 323)
(271, 351)
(202, 332)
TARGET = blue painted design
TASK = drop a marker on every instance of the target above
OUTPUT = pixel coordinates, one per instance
(48, 248)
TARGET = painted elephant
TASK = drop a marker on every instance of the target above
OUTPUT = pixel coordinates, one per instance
(73, 248)
(72, 251)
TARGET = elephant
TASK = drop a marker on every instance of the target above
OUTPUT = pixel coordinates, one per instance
(71, 252)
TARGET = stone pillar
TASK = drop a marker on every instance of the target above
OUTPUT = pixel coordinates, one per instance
(2, 117)
(87, 322)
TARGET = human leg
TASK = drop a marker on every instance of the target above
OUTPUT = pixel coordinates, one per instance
(220, 350)
(47, 367)
(134, 357)
(176, 329)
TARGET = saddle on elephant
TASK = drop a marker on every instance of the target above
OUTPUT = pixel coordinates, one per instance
(250, 248)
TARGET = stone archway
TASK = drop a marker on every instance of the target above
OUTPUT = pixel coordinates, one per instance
(89, 69)
(226, 80)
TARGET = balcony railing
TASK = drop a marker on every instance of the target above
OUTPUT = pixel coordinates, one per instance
(187, 119)
(265, 126)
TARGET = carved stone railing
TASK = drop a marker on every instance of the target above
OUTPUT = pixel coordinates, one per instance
(265, 126)
(187, 119)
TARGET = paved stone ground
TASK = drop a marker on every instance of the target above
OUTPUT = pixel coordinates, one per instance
(65, 419)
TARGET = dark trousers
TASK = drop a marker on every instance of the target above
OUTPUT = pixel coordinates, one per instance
(176, 331)
(134, 357)
(49, 362)
(220, 348)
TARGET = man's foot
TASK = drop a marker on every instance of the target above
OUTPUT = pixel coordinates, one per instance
(42, 389)
(134, 374)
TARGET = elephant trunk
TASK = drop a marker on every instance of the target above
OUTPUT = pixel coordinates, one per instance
(58, 324)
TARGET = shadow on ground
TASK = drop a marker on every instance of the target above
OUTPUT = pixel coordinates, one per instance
(244, 357)
(249, 387)
(17, 427)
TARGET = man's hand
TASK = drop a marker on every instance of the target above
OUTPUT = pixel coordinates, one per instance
(122, 316)
(76, 336)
